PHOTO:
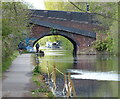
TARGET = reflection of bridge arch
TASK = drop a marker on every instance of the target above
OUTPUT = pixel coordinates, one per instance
(66, 36)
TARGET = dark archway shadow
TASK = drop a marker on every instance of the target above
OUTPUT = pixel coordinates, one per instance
(70, 39)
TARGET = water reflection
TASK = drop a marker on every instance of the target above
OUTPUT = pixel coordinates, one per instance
(62, 60)
(93, 76)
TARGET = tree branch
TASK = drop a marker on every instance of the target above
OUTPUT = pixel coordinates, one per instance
(15, 9)
(93, 12)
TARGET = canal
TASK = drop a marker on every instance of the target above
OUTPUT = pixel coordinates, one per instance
(92, 75)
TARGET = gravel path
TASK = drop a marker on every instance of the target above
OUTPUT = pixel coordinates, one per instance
(16, 81)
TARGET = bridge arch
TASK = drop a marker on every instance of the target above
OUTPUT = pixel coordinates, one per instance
(66, 36)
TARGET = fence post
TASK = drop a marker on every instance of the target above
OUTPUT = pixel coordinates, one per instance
(70, 87)
(65, 85)
(48, 72)
(73, 89)
(54, 76)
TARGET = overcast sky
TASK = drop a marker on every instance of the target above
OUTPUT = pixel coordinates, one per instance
(38, 4)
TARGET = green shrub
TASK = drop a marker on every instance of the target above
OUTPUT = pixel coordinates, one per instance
(50, 94)
(40, 90)
(104, 45)
(36, 70)
(100, 45)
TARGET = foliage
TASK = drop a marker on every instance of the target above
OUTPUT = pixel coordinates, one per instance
(103, 45)
(50, 94)
(100, 45)
(110, 44)
(14, 27)
(42, 87)
(40, 90)
(64, 6)
(36, 70)
(5, 65)
(114, 36)
(105, 13)
(53, 31)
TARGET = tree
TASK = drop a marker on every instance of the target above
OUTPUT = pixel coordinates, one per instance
(14, 27)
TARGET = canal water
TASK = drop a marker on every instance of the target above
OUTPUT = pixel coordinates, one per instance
(92, 75)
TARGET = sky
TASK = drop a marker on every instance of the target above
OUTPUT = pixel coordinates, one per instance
(37, 4)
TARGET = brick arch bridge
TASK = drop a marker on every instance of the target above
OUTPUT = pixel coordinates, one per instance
(77, 27)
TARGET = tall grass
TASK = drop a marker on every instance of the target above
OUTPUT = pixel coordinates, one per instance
(7, 63)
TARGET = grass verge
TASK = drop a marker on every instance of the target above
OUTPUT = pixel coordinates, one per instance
(41, 90)
(6, 64)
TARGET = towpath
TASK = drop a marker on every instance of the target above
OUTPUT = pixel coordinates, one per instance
(16, 80)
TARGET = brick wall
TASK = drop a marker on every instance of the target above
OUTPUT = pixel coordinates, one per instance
(74, 24)
(80, 40)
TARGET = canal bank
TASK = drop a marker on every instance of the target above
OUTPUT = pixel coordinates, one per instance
(93, 51)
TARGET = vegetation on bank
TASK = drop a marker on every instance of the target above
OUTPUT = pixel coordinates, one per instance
(8, 62)
(106, 16)
(103, 45)
(110, 43)
(15, 27)
(42, 89)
